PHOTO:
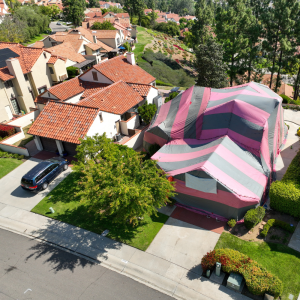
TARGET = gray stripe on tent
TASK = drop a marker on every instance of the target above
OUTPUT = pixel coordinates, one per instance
(190, 123)
(225, 91)
(154, 118)
(271, 129)
(246, 128)
(216, 121)
(242, 153)
(213, 206)
(168, 123)
(265, 104)
(178, 149)
(159, 132)
(266, 89)
(175, 165)
(236, 174)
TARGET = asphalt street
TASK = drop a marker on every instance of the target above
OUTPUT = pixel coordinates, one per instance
(55, 28)
(37, 271)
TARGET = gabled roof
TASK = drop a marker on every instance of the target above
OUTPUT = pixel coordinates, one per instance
(116, 98)
(93, 14)
(39, 44)
(67, 51)
(71, 88)
(74, 39)
(104, 34)
(142, 89)
(53, 59)
(118, 68)
(65, 122)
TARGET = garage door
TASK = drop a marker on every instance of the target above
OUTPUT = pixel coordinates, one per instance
(49, 144)
(70, 148)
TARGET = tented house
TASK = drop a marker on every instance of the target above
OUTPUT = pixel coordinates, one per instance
(220, 146)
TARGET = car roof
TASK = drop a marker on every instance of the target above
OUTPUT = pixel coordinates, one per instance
(37, 169)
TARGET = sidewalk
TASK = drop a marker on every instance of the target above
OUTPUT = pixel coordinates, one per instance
(144, 267)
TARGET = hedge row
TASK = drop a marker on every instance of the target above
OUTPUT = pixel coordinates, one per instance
(4, 154)
(285, 194)
(276, 223)
(258, 279)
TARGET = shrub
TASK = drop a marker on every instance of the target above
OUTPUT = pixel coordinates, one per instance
(15, 156)
(285, 99)
(153, 149)
(231, 223)
(285, 194)
(172, 96)
(159, 82)
(147, 112)
(258, 279)
(6, 130)
(21, 157)
(254, 216)
(276, 223)
(72, 72)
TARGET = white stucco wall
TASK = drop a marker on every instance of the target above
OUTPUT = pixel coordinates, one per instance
(70, 63)
(88, 76)
(25, 120)
(136, 141)
(134, 122)
(14, 149)
(151, 95)
(74, 99)
(14, 138)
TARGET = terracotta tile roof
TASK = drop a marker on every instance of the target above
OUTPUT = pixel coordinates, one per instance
(67, 51)
(39, 44)
(104, 46)
(71, 88)
(118, 68)
(27, 58)
(74, 39)
(116, 98)
(189, 17)
(95, 9)
(52, 59)
(161, 20)
(93, 46)
(64, 122)
(142, 89)
(104, 34)
(122, 15)
(93, 14)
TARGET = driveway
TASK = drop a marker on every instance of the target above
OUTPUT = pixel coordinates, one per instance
(13, 197)
(57, 28)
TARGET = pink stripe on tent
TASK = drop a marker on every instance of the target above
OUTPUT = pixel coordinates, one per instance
(243, 139)
(265, 146)
(229, 182)
(223, 197)
(169, 157)
(187, 169)
(187, 142)
(261, 91)
(213, 133)
(152, 139)
(177, 131)
(241, 165)
(234, 87)
(162, 115)
(215, 96)
(199, 121)
(220, 109)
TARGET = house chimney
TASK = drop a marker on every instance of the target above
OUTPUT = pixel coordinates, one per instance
(94, 39)
(130, 58)
(14, 66)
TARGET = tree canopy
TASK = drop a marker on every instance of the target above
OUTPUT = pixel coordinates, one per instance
(147, 112)
(74, 11)
(106, 25)
(117, 182)
(12, 30)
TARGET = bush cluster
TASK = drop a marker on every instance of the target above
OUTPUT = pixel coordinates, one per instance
(172, 96)
(285, 194)
(159, 82)
(276, 223)
(254, 216)
(6, 131)
(4, 154)
(258, 279)
(231, 223)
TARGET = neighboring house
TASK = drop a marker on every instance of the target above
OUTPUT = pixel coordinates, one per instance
(113, 88)
(112, 38)
(149, 10)
(117, 15)
(104, 4)
(3, 9)
(161, 20)
(26, 72)
(173, 17)
(190, 17)
(92, 15)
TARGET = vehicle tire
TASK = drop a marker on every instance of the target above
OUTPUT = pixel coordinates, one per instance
(66, 167)
(44, 186)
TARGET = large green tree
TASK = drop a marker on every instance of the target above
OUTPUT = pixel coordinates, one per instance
(12, 30)
(210, 66)
(74, 11)
(232, 24)
(106, 25)
(117, 182)
(147, 112)
(93, 3)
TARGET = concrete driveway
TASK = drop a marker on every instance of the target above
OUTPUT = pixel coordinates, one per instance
(14, 197)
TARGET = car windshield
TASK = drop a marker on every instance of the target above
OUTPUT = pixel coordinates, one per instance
(55, 160)
(27, 181)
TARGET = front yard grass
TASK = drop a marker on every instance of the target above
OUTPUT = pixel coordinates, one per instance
(278, 259)
(27, 138)
(8, 164)
(68, 209)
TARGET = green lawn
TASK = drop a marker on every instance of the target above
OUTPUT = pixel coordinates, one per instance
(27, 138)
(35, 39)
(144, 39)
(8, 164)
(68, 209)
(280, 260)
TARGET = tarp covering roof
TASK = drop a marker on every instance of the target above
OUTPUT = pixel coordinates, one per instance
(231, 135)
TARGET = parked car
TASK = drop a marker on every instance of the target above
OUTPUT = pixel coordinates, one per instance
(58, 23)
(39, 177)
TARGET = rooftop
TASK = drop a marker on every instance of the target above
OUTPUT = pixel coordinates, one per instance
(67, 51)
(65, 122)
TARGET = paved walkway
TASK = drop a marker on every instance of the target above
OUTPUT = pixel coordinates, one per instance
(295, 240)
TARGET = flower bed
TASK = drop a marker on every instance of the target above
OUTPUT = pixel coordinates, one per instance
(178, 47)
(258, 279)
(4, 154)
(6, 131)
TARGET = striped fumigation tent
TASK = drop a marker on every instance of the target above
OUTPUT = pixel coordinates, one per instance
(220, 146)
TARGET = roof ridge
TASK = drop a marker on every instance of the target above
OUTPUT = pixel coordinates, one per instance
(69, 103)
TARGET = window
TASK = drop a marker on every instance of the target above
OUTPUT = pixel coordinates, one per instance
(43, 174)
(95, 76)
(8, 84)
(26, 77)
(118, 41)
(51, 70)
(15, 106)
(53, 43)
(52, 167)
(83, 53)
(45, 55)
(101, 117)
(42, 89)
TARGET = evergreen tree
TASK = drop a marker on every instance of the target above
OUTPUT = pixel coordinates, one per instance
(153, 14)
(117, 182)
(200, 29)
(210, 66)
(94, 3)
(232, 24)
(74, 10)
